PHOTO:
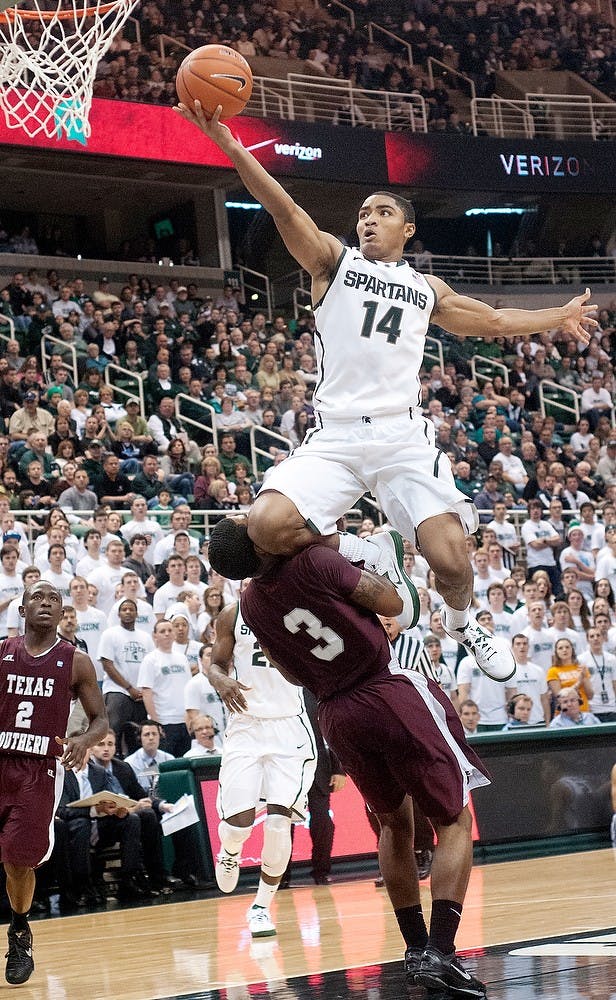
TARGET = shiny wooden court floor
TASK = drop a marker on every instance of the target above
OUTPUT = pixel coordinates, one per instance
(537, 928)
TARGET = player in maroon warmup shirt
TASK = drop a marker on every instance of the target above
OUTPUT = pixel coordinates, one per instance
(39, 675)
(396, 734)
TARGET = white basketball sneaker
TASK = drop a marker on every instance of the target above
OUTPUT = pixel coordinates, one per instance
(227, 870)
(260, 923)
(389, 562)
(492, 655)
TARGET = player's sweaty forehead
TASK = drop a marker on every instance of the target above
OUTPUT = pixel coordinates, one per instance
(378, 202)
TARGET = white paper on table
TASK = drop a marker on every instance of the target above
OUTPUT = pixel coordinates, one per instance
(184, 814)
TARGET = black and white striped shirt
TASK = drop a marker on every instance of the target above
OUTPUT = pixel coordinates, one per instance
(413, 655)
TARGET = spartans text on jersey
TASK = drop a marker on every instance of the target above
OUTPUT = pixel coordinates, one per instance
(385, 289)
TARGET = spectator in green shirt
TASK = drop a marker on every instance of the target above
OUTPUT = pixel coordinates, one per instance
(229, 457)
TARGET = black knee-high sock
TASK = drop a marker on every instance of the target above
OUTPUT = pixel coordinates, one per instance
(444, 924)
(412, 926)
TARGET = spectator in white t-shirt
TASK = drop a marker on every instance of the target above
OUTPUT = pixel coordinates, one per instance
(582, 560)
(163, 675)
(541, 540)
(541, 647)
(595, 401)
(530, 593)
(141, 524)
(91, 623)
(55, 574)
(108, 578)
(602, 669)
(482, 577)
(606, 560)
(503, 621)
(58, 535)
(495, 561)
(169, 593)
(606, 466)
(131, 586)
(450, 649)
(506, 535)
(581, 438)
(562, 626)
(93, 558)
(491, 696)
(182, 642)
(122, 650)
(163, 548)
(593, 531)
(200, 698)
(529, 678)
(512, 466)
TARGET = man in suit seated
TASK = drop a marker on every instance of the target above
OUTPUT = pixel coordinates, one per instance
(188, 866)
(137, 830)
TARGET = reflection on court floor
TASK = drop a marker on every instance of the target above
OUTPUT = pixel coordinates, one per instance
(527, 931)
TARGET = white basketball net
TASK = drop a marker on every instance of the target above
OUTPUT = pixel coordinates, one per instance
(48, 58)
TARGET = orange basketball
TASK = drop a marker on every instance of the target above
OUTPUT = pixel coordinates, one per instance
(213, 75)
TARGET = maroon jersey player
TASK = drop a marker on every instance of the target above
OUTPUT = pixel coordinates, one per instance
(396, 734)
(40, 673)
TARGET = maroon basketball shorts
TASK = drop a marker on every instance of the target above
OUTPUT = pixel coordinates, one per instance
(398, 734)
(30, 791)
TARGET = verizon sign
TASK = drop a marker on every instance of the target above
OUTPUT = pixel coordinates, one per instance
(461, 163)
(538, 165)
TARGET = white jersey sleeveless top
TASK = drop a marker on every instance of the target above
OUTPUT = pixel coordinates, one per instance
(270, 695)
(370, 334)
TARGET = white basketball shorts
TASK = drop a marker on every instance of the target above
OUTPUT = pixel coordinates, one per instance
(392, 457)
(270, 759)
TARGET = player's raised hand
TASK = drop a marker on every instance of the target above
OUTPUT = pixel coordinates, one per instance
(579, 320)
(212, 127)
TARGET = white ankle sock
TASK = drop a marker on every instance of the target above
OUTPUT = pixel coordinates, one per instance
(265, 894)
(357, 549)
(455, 618)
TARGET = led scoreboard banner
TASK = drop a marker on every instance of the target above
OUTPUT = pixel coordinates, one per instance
(322, 152)
(152, 132)
(466, 163)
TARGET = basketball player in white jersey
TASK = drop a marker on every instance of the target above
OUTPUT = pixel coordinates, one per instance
(372, 311)
(269, 751)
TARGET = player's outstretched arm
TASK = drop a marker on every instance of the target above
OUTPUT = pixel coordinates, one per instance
(86, 688)
(218, 672)
(377, 594)
(469, 317)
(313, 249)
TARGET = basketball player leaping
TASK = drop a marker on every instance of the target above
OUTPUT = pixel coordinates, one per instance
(372, 311)
(40, 673)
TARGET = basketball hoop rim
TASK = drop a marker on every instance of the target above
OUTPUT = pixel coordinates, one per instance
(13, 13)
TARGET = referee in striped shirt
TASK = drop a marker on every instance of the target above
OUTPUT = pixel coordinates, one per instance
(411, 652)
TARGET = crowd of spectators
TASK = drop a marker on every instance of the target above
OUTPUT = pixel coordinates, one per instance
(111, 503)
(479, 39)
